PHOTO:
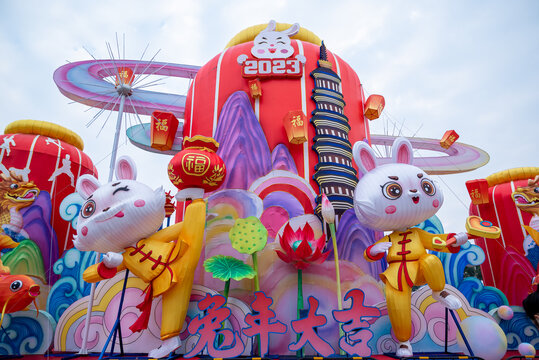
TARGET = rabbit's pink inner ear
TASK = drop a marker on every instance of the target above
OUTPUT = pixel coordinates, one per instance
(86, 186)
(404, 155)
(367, 160)
(125, 169)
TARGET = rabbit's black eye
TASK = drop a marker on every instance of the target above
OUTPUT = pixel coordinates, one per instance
(88, 209)
(392, 190)
(428, 187)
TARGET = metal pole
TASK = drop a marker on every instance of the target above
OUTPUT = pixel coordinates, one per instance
(116, 137)
(83, 349)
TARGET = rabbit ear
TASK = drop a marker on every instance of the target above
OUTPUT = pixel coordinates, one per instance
(86, 185)
(271, 26)
(364, 157)
(402, 151)
(126, 169)
(293, 30)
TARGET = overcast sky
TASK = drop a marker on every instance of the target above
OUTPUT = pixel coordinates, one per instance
(470, 66)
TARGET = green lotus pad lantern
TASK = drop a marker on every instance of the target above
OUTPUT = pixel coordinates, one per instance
(248, 236)
(227, 267)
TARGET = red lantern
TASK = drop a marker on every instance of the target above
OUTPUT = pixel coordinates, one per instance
(169, 205)
(163, 130)
(478, 191)
(449, 139)
(197, 165)
(125, 76)
(255, 88)
(295, 124)
(374, 106)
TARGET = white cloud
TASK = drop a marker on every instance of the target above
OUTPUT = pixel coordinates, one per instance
(468, 66)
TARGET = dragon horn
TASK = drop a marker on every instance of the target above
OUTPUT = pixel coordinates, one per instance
(7, 242)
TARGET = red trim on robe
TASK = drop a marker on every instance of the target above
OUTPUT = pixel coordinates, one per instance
(106, 272)
(145, 307)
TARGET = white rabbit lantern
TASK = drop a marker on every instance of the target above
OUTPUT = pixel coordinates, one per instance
(272, 44)
(272, 50)
(122, 219)
(396, 197)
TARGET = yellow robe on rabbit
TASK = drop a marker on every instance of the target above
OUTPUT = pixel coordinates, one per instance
(409, 264)
(167, 261)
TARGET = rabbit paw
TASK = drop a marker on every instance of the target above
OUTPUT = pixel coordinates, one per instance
(112, 259)
(447, 300)
(405, 349)
(380, 248)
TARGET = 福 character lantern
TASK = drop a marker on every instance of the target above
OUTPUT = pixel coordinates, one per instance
(124, 76)
(255, 88)
(163, 130)
(295, 124)
(478, 191)
(449, 138)
(197, 165)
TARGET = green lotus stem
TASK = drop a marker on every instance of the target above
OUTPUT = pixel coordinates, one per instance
(225, 293)
(299, 353)
(337, 275)
(257, 288)
(255, 266)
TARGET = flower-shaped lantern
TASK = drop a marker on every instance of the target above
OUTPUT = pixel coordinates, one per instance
(300, 248)
(197, 165)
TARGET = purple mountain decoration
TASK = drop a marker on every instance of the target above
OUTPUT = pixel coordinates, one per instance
(37, 223)
(352, 240)
(282, 160)
(242, 143)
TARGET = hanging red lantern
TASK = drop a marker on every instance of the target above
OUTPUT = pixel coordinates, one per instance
(197, 165)
(125, 76)
(163, 130)
(478, 191)
(374, 106)
(295, 124)
(169, 205)
(255, 88)
(449, 138)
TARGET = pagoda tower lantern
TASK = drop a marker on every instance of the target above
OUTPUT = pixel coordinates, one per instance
(334, 172)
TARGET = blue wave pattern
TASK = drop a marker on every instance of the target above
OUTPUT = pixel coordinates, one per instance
(519, 329)
(70, 208)
(70, 287)
(480, 297)
(27, 335)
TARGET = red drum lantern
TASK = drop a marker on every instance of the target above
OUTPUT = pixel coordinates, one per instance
(163, 130)
(197, 165)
